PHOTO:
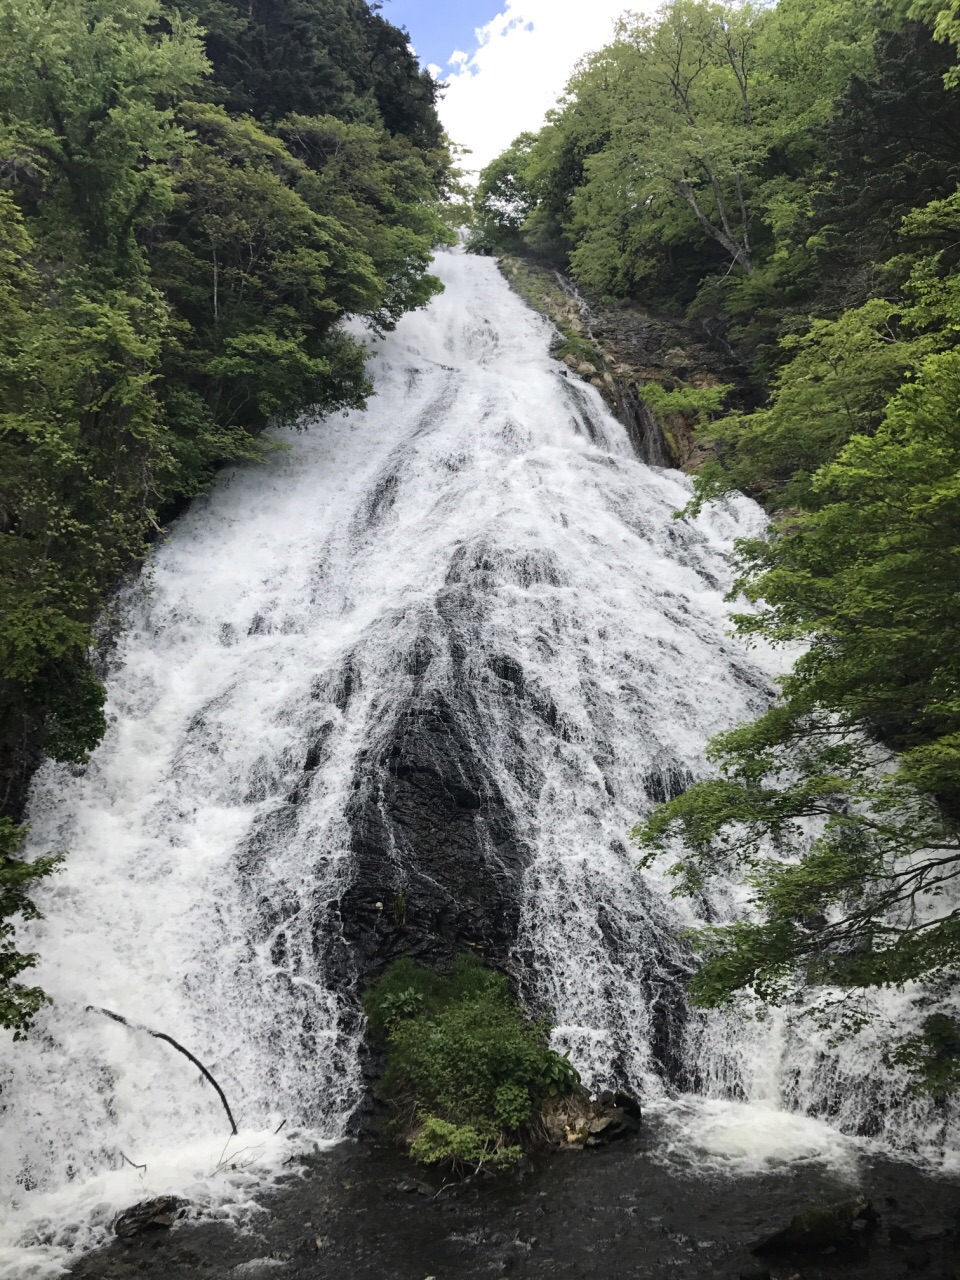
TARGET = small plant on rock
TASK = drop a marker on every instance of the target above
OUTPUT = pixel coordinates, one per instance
(560, 1075)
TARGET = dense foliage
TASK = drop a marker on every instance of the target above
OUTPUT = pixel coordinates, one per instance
(466, 1069)
(191, 199)
(786, 176)
(18, 1003)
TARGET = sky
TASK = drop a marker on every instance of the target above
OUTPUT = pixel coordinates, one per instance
(506, 61)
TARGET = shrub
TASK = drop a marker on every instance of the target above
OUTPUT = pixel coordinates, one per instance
(467, 1070)
(440, 1142)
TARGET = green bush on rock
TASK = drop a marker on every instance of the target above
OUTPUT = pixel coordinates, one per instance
(466, 1070)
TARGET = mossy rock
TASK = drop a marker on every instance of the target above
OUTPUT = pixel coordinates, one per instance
(836, 1226)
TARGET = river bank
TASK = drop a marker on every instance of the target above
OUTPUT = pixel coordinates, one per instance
(362, 1211)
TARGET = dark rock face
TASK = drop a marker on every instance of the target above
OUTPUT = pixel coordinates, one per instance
(633, 348)
(20, 757)
(646, 435)
(437, 865)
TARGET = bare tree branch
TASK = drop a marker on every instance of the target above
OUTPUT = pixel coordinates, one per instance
(160, 1035)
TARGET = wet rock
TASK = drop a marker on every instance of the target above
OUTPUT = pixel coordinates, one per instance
(158, 1214)
(575, 1120)
(436, 864)
(623, 1102)
(833, 1227)
(917, 1258)
(755, 1273)
(639, 349)
(906, 1234)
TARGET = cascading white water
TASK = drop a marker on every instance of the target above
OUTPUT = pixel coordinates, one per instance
(483, 496)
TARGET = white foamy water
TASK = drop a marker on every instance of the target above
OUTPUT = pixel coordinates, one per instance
(491, 507)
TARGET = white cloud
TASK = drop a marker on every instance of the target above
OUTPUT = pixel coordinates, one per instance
(523, 59)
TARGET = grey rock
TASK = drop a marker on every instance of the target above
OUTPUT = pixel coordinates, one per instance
(158, 1214)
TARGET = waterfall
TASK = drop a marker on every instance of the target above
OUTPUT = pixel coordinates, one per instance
(407, 686)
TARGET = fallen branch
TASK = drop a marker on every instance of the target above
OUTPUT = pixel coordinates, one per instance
(133, 1165)
(159, 1035)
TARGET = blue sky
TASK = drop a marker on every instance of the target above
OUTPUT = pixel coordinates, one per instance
(437, 27)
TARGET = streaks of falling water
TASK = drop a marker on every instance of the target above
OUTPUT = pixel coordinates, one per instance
(481, 535)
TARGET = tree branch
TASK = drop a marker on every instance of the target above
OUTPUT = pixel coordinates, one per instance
(160, 1035)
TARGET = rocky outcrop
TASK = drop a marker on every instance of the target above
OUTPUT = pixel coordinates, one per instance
(625, 351)
(436, 864)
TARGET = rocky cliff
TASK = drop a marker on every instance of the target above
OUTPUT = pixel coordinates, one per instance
(633, 357)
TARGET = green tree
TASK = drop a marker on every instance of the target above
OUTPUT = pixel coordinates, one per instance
(257, 282)
(87, 135)
(503, 201)
(841, 373)
(944, 20)
(890, 146)
(87, 89)
(686, 140)
(274, 58)
(869, 581)
(19, 1004)
(687, 149)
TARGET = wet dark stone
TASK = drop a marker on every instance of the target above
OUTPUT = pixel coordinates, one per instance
(436, 865)
(914, 1233)
(148, 1216)
(508, 671)
(667, 783)
(917, 1258)
(382, 499)
(842, 1226)
(646, 434)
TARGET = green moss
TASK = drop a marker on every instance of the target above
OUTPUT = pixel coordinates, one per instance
(467, 1070)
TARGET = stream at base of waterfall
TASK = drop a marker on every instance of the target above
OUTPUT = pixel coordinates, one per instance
(441, 653)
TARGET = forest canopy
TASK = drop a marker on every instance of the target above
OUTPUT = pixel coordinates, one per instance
(192, 197)
(784, 178)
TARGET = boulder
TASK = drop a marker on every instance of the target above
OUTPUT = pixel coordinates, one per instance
(917, 1258)
(158, 1214)
(901, 1233)
(836, 1226)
